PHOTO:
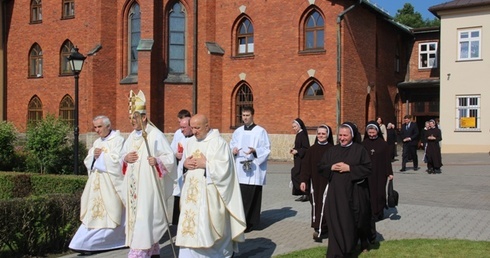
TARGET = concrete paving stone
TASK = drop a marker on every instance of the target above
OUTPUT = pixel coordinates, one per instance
(451, 205)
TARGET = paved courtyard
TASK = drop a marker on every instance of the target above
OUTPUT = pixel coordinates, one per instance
(452, 205)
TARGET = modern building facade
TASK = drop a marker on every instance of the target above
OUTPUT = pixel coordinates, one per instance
(465, 75)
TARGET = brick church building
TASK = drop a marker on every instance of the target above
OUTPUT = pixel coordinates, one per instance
(322, 61)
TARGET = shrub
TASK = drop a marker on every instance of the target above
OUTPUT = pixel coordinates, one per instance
(8, 137)
(37, 225)
(50, 149)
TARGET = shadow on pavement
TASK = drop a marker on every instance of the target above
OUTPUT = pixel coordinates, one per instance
(269, 217)
(256, 247)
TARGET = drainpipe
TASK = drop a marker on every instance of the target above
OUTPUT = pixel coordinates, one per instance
(340, 17)
(194, 62)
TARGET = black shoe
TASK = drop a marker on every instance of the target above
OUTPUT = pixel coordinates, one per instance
(318, 238)
(417, 168)
(302, 198)
(403, 170)
(248, 229)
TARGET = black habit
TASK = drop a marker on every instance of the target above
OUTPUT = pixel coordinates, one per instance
(316, 184)
(301, 144)
(347, 204)
(380, 155)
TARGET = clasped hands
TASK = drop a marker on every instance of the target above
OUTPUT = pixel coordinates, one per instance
(340, 167)
(132, 157)
(194, 163)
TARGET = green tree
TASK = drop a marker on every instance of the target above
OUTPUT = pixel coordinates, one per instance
(50, 149)
(408, 16)
(8, 137)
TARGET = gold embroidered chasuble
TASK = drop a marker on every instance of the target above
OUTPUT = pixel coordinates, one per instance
(146, 221)
(210, 196)
(102, 204)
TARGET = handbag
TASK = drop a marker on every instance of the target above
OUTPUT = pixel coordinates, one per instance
(392, 195)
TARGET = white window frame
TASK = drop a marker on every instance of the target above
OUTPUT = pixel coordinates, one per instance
(429, 55)
(471, 108)
(466, 40)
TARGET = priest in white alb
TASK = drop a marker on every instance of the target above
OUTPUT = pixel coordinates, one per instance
(102, 203)
(211, 220)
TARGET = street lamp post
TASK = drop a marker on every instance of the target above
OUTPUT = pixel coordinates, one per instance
(76, 62)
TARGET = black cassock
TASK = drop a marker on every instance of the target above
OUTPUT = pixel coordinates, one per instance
(347, 204)
(313, 180)
(433, 149)
(301, 144)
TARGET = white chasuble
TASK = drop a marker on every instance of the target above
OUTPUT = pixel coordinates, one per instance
(147, 188)
(101, 203)
(211, 205)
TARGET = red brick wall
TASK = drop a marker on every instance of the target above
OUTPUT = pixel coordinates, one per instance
(277, 72)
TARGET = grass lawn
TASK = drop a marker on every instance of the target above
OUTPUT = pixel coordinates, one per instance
(411, 248)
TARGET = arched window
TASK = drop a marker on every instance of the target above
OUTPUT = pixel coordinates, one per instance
(313, 91)
(65, 67)
(314, 31)
(176, 50)
(67, 109)
(134, 36)
(36, 11)
(244, 97)
(34, 110)
(245, 37)
(68, 9)
(35, 61)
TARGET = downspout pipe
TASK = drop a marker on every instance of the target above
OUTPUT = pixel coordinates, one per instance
(194, 62)
(340, 17)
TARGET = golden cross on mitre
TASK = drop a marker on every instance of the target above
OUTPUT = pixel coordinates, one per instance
(137, 103)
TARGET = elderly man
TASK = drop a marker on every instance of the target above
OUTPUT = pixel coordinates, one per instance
(212, 220)
(148, 165)
(102, 203)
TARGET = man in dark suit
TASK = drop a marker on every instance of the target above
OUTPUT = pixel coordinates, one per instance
(409, 134)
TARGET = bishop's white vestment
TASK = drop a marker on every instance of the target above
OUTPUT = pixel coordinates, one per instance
(147, 188)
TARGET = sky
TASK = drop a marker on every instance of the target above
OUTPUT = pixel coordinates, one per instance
(421, 6)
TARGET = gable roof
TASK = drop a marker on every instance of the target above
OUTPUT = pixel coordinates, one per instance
(457, 4)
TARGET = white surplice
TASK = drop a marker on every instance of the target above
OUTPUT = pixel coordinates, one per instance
(258, 139)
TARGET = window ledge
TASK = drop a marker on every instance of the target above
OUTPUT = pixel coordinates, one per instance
(312, 52)
(68, 17)
(178, 78)
(244, 56)
(469, 60)
(476, 130)
(130, 79)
